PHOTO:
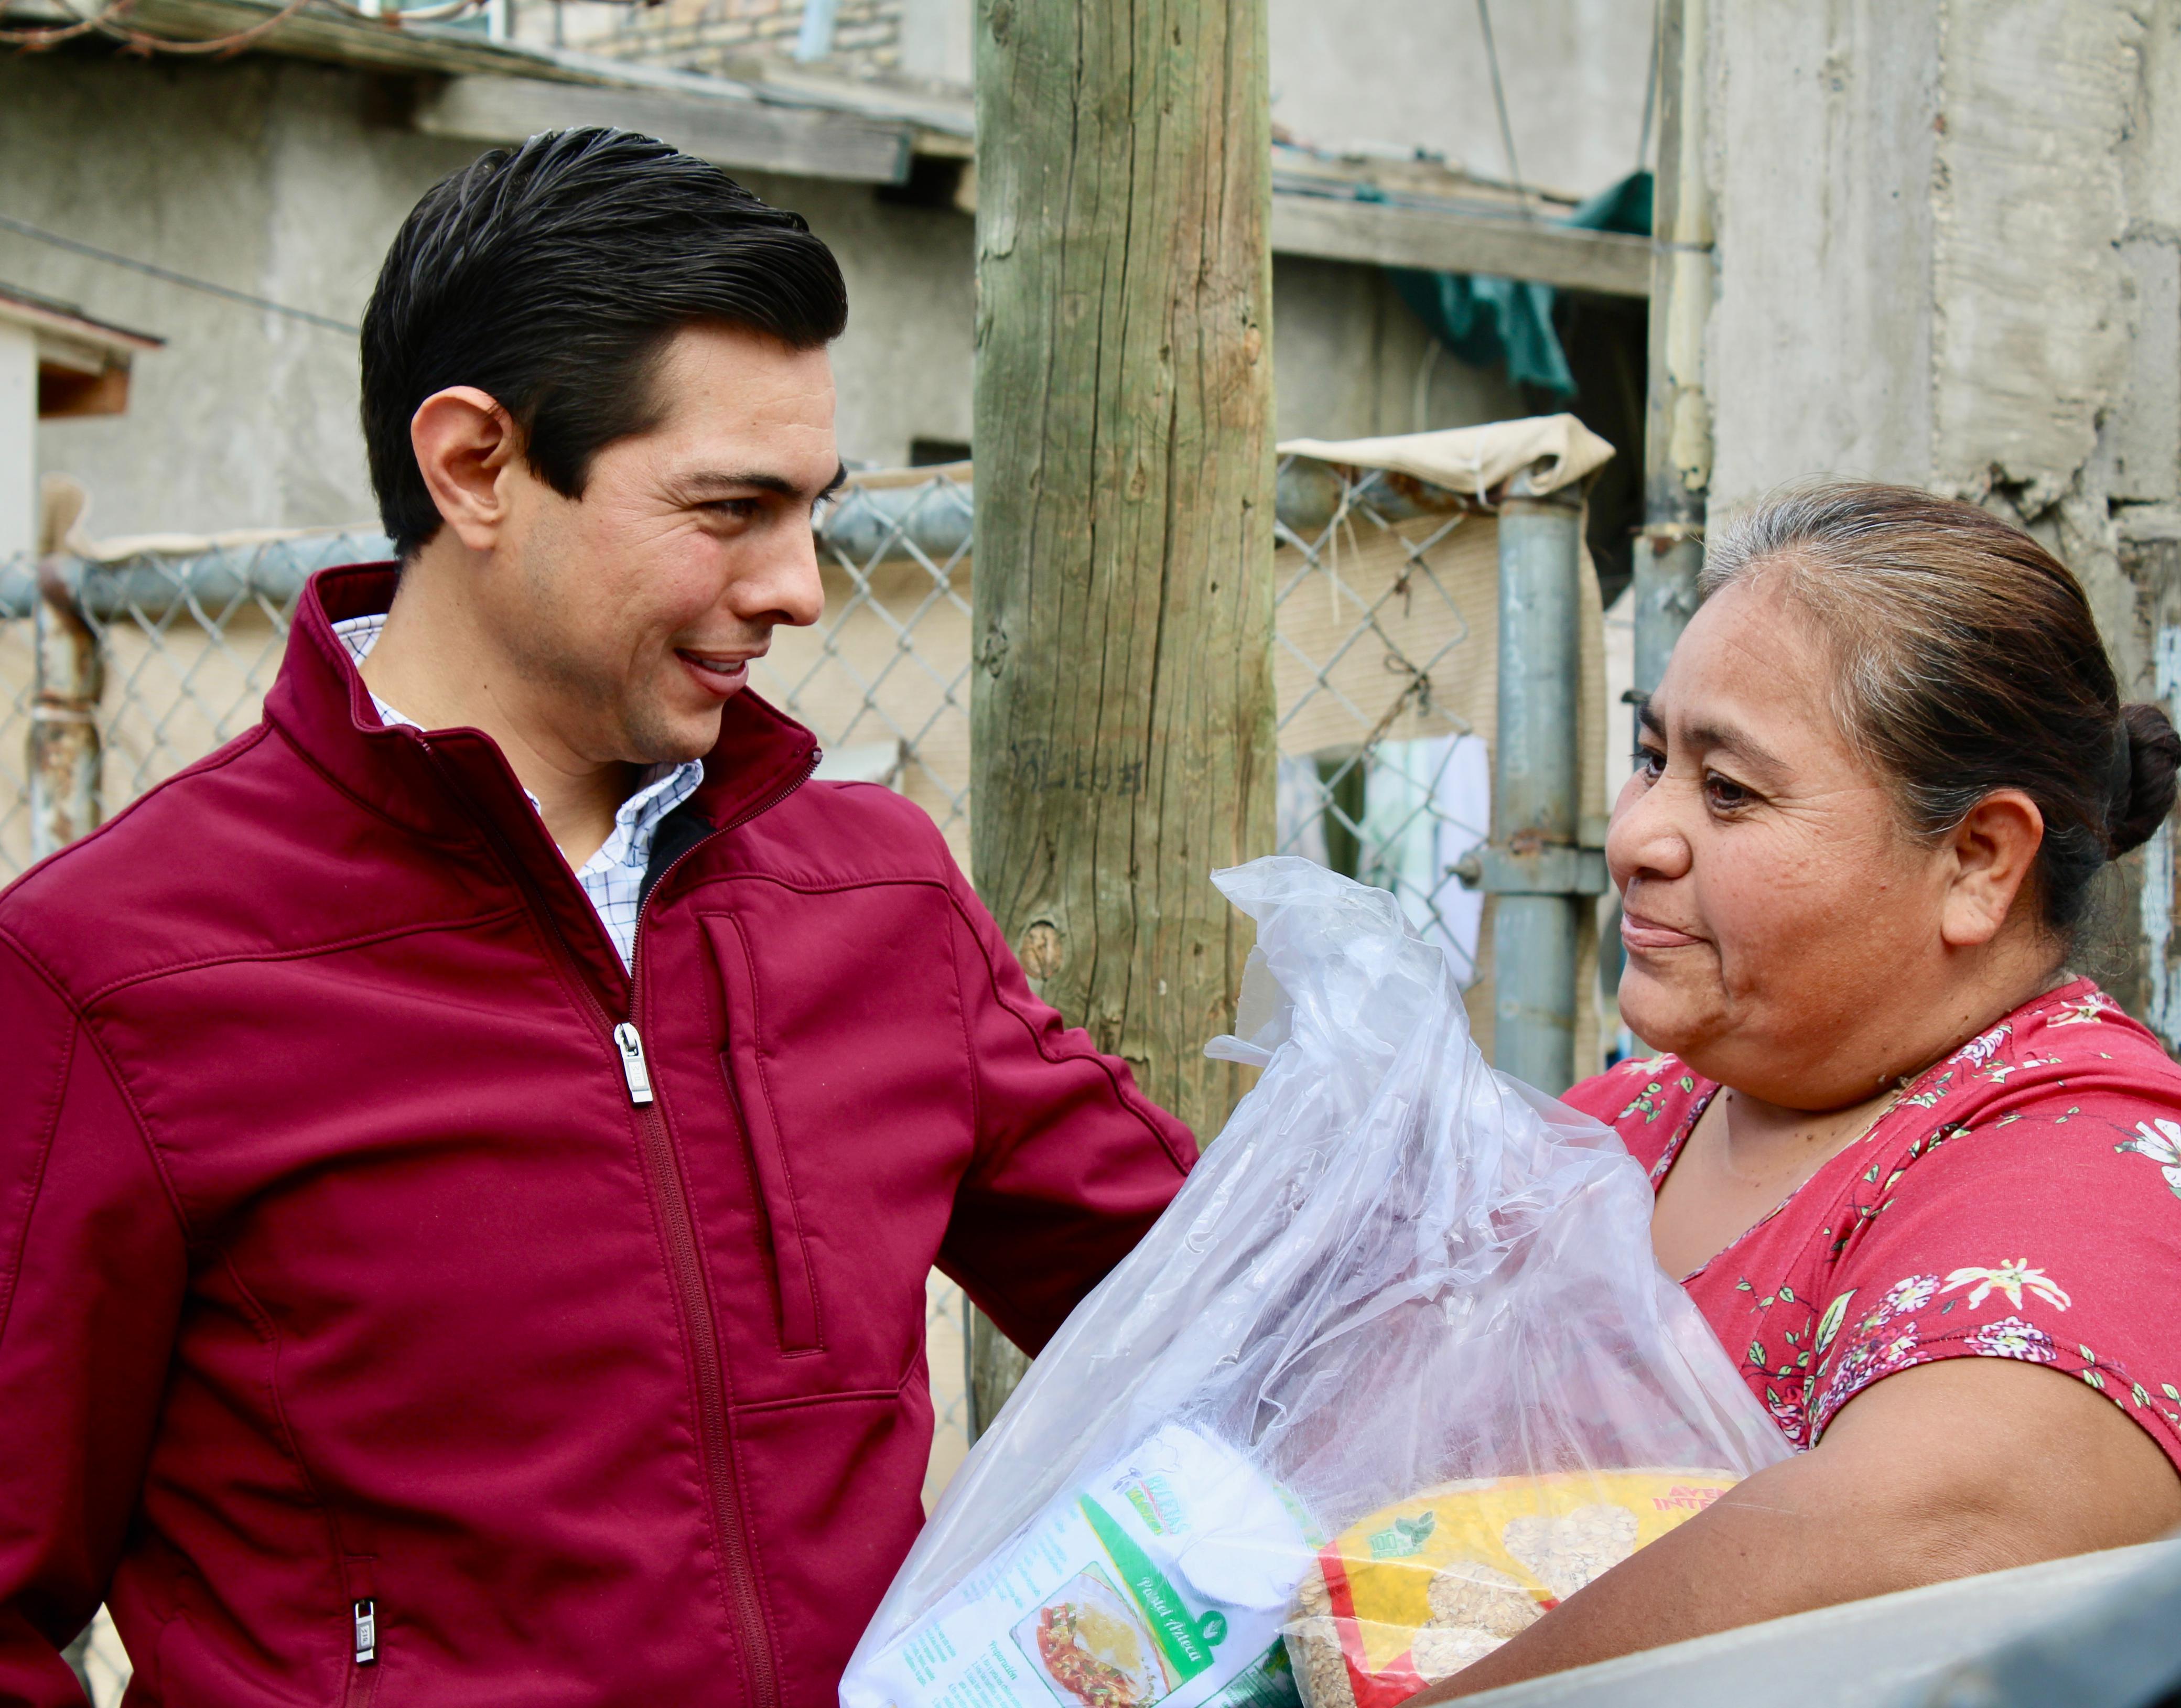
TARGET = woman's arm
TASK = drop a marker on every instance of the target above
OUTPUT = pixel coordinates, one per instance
(1960, 1465)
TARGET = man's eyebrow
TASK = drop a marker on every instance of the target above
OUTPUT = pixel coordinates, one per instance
(713, 480)
(1649, 717)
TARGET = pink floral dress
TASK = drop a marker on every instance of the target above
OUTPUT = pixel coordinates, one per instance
(2022, 1199)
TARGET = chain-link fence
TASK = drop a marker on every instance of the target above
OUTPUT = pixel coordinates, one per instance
(1384, 596)
(180, 644)
(1385, 592)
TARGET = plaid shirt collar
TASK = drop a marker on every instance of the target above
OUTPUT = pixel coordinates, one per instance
(613, 877)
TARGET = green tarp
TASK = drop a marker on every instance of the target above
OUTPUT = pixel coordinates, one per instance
(1488, 322)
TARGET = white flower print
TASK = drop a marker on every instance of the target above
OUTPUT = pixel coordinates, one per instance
(2163, 1148)
(2088, 1010)
(1858, 1368)
(1898, 1352)
(1998, 1071)
(2010, 1278)
(1912, 1293)
(1854, 1369)
(2010, 1337)
(1979, 1050)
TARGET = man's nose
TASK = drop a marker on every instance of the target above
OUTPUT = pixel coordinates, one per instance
(786, 586)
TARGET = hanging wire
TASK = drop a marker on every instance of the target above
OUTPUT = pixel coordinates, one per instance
(107, 22)
(32, 40)
(23, 228)
(1650, 88)
(1499, 102)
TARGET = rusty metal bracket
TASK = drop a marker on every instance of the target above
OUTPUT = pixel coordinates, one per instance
(1550, 868)
(63, 747)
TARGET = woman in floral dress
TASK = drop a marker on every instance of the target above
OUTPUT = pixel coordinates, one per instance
(1923, 1180)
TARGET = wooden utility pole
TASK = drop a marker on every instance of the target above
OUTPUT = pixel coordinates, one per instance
(1121, 715)
(1677, 422)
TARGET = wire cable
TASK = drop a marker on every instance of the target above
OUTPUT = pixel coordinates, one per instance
(1499, 101)
(23, 228)
(105, 22)
(36, 40)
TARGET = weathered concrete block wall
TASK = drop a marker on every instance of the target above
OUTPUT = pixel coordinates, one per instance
(288, 181)
(711, 35)
(1948, 253)
(1350, 72)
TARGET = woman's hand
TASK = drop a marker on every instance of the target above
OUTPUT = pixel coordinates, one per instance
(1950, 1469)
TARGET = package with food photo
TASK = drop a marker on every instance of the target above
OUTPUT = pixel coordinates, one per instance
(1414, 1592)
(1155, 1580)
(1395, 1373)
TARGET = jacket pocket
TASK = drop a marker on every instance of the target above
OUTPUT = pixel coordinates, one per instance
(795, 1288)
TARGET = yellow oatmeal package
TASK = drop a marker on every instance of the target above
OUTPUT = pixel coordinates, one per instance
(1392, 1373)
(1417, 1590)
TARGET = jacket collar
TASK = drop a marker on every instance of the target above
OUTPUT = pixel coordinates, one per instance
(453, 784)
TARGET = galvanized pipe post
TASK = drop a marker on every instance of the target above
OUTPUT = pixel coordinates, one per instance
(69, 675)
(1534, 866)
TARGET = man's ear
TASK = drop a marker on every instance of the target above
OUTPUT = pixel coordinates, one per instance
(1994, 851)
(465, 442)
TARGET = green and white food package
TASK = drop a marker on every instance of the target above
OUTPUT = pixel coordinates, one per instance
(1165, 1578)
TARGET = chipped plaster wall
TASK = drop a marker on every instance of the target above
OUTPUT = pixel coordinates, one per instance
(1949, 253)
(1820, 160)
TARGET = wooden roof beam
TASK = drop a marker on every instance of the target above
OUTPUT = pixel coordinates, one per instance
(1450, 241)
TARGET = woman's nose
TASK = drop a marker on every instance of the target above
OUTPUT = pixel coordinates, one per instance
(1645, 836)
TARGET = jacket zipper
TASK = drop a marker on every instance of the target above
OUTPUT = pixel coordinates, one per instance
(658, 1151)
(689, 1273)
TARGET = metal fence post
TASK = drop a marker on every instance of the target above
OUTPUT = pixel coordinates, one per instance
(64, 746)
(1533, 864)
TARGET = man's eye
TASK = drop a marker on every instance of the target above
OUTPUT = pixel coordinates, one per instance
(1650, 763)
(733, 509)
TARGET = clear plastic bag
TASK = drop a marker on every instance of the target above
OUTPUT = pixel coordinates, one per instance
(1395, 1371)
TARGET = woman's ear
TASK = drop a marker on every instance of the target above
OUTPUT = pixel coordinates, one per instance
(1995, 849)
(463, 441)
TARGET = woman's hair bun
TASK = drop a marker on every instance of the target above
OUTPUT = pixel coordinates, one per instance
(2154, 757)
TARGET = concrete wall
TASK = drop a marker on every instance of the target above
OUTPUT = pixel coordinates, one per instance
(712, 34)
(274, 177)
(1416, 76)
(1345, 74)
(1349, 361)
(284, 180)
(1949, 254)
(261, 175)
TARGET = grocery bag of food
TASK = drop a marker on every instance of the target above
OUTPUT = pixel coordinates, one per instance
(1395, 1373)
(1416, 1591)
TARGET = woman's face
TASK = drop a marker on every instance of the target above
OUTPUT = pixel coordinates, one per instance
(1783, 934)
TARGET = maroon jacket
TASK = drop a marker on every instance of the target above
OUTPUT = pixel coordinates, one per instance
(341, 1263)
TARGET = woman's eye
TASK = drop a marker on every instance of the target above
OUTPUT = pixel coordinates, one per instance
(1725, 793)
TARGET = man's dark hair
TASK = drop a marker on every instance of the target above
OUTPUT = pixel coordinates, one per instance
(552, 276)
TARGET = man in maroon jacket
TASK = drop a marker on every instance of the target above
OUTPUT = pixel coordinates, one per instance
(472, 1147)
